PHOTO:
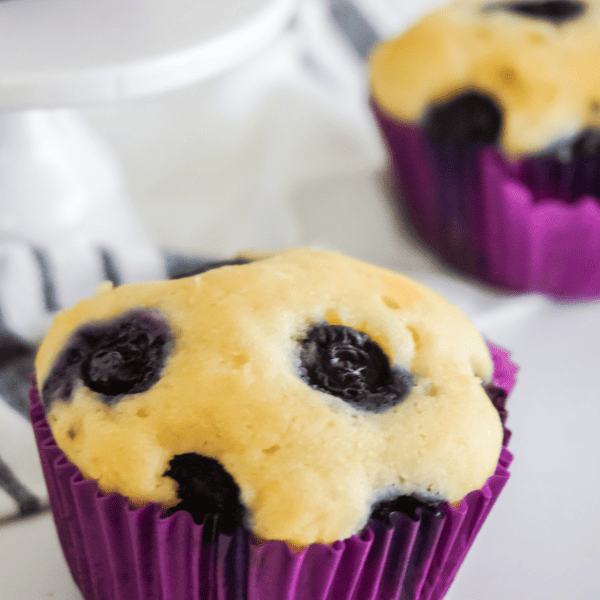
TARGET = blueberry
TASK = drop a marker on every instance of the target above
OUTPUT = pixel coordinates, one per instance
(113, 358)
(556, 12)
(471, 117)
(206, 488)
(409, 505)
(498, 397)
(348, 364)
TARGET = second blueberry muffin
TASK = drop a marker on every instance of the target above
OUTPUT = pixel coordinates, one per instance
(491, 114)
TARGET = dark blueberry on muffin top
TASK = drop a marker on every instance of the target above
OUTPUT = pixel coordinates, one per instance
(347, 363)
(206, 488)
(469, 118)
(408, 505)
(113, 358)
(556, 12)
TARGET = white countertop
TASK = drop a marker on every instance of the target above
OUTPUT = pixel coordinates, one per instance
(292, 164)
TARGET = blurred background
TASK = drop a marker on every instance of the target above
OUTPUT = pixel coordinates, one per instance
(211, 151)
(265, 154)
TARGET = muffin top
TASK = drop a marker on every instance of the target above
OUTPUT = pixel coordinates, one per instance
(312, 384)
(536, 63)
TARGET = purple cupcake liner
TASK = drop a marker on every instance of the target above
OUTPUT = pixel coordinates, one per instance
(544, 245)
(118, 552)
(527, 226)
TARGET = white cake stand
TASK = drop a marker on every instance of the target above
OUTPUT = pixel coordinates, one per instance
(58, 181)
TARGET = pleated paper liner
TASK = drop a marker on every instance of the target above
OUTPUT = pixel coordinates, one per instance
(527, 226)
(117, 552)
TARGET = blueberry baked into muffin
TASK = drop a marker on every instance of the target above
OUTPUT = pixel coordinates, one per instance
(491, 114)
(306, 408)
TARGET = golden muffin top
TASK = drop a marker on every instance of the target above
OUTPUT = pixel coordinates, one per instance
(319, 384)
(537, 60)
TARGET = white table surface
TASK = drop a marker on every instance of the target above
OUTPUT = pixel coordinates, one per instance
(542, 540)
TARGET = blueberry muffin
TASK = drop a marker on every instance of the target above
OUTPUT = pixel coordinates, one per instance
(491, 114)
(297, 406)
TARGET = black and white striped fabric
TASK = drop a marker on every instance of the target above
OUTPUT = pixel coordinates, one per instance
(36, 282)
